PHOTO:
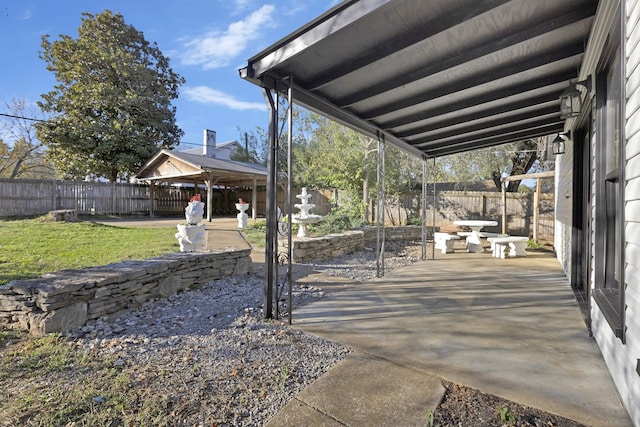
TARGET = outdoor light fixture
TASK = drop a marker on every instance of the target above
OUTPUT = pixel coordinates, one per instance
(558, 143)
(571, 99)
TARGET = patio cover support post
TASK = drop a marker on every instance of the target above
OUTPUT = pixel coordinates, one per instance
(209, 183)
(288, 201)
(271, 204)
(423, 208)
(380, 238)
(433, 224)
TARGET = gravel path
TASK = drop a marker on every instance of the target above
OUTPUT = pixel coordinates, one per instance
(213, 356)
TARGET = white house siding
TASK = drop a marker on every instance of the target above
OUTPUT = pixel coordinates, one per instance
(622, 358)
(564, 208)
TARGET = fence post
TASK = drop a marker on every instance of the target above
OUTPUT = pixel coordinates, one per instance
(152, 185)
(114, 190)
(54, 198)
(504, 208)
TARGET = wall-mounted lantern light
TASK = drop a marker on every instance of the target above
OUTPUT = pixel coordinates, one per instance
(558, 143)
(571, 99)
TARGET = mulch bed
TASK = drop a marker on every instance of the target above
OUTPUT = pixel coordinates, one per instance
(464, 406)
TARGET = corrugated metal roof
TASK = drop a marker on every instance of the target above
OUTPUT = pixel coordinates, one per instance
(435, 77)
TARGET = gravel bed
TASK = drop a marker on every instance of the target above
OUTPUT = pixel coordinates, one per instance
(214, 357)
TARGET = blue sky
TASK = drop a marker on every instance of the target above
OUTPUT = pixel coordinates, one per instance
(207, 41)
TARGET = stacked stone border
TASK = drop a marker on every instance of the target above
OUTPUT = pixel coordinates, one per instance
(67, 299)
(316, 248)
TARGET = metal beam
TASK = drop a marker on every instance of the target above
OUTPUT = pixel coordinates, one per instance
(413, 35)
(474, 145)
(315, 31)
(288, 200)
(554, 84)
(380, 230)
(423, 209)
(491, 134)
(499, 72)
(483, 49)
(506, 121)
(271, 215)
(346, 118)
(528, 104)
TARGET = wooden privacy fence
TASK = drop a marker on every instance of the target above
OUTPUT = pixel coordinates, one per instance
(35, 197)
(456, 205)
(19, 198)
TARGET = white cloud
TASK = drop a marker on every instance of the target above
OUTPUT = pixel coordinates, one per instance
(207, 95)
(26, 15)
(219, 48)
(242, 5)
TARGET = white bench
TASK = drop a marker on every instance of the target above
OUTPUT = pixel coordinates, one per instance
(482, 234)
(517, 246)
(445, 241)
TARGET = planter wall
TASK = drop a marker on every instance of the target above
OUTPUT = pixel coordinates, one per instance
(67, 299)
(315, 248)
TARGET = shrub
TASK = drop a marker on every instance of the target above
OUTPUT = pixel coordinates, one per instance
(338, 220)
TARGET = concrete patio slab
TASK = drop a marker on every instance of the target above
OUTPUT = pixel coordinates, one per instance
(511, 328)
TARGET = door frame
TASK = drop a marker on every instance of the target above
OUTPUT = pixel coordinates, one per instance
(582, 219)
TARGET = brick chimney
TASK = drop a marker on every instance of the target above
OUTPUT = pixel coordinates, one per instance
(209, 143)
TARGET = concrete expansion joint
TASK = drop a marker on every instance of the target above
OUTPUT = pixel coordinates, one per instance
(320, 411)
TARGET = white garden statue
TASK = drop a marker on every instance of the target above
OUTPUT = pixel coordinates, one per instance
(191, 236)
(242, 206)
(194, 212)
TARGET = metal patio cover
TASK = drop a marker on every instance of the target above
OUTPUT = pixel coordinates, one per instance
(435, 77)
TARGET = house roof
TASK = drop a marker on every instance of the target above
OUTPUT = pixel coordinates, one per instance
(219, 146)
(177, 166)
(434, 77)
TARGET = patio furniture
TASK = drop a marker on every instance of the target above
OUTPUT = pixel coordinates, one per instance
(445, 241)
(474, 244)
(517, 246)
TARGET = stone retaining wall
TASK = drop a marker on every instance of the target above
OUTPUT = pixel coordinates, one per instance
(314, 248)
(67, 299)
(406, 233)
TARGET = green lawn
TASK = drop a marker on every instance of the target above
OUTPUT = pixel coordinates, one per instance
(30, 248)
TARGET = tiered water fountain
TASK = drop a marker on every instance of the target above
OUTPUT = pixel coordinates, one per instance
(191, 235)
(242, 206)
(303, 218)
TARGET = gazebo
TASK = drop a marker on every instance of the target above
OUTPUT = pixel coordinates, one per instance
(180, 167)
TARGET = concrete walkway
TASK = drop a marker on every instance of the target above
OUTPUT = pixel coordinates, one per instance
(222, 232)
(508, 327)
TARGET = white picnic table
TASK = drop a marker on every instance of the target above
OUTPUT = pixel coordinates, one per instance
(474, 244)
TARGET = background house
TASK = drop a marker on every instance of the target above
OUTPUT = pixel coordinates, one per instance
(212, 148)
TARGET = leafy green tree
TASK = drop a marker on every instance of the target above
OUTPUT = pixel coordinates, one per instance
(22, 155)
(492, 163)
(111, 109)
(332, 158)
